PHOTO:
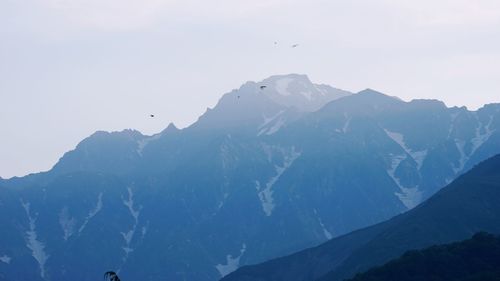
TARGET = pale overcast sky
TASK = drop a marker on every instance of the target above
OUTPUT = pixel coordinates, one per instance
(71, 67)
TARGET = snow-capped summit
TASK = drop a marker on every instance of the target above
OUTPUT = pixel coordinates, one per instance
(296, 90)
(269, 104)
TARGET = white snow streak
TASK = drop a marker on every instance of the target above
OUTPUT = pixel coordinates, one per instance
(275, 127)
(232, 263)
(308, 95)
(463, 156)
(267, 120)
(327, 233)
(267, 128)
(323, 92)
(5, 259)
(144, 142)
(92, 213)
(127, 236)
(37, 247)
(266, 194)
(282, 86)
(479, 139)
(67, 223)
(409, 196)
(418, 156)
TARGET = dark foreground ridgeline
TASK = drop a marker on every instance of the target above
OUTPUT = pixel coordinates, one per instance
(476, 259)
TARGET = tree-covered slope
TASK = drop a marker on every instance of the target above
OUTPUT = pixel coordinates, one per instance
(476, 259)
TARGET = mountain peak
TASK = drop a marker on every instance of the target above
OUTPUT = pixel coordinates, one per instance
(427, 103)
(255, 102)
(170, 128)
(365, 102)
(374, 93)
(296, 90)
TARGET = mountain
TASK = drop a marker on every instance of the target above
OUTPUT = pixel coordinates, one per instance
(267, 172)
(468, 205)
(477, 258)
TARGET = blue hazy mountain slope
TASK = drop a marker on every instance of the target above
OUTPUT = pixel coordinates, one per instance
(468, 205)
(266, 172)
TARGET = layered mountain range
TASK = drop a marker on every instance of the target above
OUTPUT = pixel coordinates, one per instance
(275, 167)
(468, 205)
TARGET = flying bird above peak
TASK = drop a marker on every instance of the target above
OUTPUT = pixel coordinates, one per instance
(295, 45)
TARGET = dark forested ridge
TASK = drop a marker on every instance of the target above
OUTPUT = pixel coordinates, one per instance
(475, 259)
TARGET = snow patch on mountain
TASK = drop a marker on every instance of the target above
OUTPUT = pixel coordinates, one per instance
(417, 156)
(267, 120)
(266, 194)
(5, 259)
(36, 246)
(282, 86)
(144, 230)
(229, 158)
(272, 124)
(92, 213)
(460, 144)
(327, 233)
(127, 236)
(274, 128)
(409, 196)
(482, 134)
(480, 138)
(67, 223)
(129, 203)
(145, 141)
(307, 94)
(232, 263)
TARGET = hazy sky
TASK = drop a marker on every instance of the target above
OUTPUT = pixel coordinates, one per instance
(71, 67)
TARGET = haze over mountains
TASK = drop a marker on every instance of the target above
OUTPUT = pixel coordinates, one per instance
(264, 173)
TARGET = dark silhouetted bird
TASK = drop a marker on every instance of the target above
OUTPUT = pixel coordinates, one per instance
(295, 45)
(151, 115)
(111, 276)
(262, 87)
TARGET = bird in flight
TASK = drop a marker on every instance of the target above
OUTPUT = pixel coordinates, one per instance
(295, 45)
(151, 115)
(262, 87)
